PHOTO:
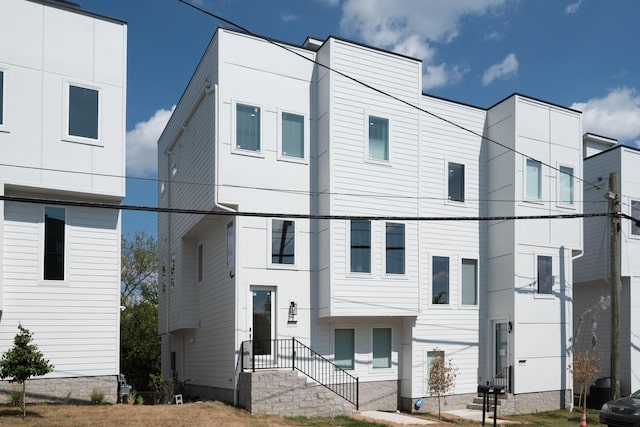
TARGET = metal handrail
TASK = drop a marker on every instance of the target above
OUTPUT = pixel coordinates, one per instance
(292, 354)
(502, 379)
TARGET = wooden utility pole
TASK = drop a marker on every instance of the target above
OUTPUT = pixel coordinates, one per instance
(616, 284)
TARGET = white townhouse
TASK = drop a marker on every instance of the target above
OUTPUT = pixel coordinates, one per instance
(592, 290)
(62, 133)
(309, 251)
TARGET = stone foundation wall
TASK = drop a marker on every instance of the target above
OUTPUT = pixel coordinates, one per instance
(379, 396)
(76, 389)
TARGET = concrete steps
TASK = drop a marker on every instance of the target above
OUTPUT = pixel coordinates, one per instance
(477, 403)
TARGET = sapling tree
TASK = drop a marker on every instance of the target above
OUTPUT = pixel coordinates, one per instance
(442, 378)
(585, 370)
(23, 361)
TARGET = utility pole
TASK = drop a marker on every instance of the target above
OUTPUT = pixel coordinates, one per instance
(613, 196)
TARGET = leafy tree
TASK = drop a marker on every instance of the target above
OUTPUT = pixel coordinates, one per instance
(139, 340)
(585, 370)
(23, 361)
(442, 378)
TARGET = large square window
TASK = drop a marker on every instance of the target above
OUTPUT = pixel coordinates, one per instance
(469, 281)
(344, 348)
(282, 242)
(566, 185)
(635, 213)
(293, 135)
(360, 246)
(456, 182)
(54, 231)
(534, 180)
(378, 138)
(247, 127)
(83, 112)
(545, 275)
(440, 280)
(395, 248)
(381, 347)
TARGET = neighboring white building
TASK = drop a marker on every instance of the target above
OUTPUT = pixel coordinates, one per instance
(265, 129)
(592, 309)
(62, 132)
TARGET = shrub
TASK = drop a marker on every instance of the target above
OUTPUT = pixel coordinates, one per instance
(15, 399)
(97, 396)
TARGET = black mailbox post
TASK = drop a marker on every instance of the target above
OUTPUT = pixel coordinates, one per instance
(486, 390)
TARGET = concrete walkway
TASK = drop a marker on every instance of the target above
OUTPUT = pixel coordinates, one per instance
(476, 415)
(396, 418)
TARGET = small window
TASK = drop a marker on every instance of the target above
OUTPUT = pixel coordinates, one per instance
(545, 275)
(534, 180)
(54, 230)
(231, 261)
(566, 185)
(360, 246)
(431, 357)
(1, 98)
(83, 112)
(282, 242)
(456, 182)
(247, 127)
(344, 348)
(394, 248)
(293, 135)
(469, 282)
(381, 348)
(378, 138)
(200, 261)
(635, 213)
(440, 280)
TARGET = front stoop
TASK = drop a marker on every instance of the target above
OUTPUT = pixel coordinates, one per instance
(477, 402)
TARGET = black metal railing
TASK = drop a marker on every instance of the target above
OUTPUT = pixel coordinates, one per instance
(502, 379)
(292, 354)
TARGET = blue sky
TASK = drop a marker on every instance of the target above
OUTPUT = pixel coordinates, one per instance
(577, 53)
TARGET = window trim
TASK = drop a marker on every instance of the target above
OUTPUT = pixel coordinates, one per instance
(234, 135)
(431, 303)
(525, 180)
(4, 100)
(367, 155)
(333, 345)
(475, 258)
(66, 135)
(348, 263)
(391, 355)
(448, 198)
(276, 265)
(305, 143)
(65, 253)
(536, 276)
(404, 251)
(559, 173)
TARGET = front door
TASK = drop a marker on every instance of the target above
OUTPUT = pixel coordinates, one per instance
(263, 321)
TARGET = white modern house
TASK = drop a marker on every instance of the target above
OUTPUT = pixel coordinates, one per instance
(62, 129)
(327, 238)
(592, 290)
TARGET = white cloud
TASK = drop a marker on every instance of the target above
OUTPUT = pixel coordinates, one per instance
(617, 115)
(330, 2)
(289, 17)
(142, 141)
(573, 8)
(413, 28)
(505, 68)
(494, 36)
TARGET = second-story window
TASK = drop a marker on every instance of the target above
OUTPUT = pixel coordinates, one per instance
(395, 248)
(1, 98)
(545, 275)
(83, 112)
(293, 135)
(54, 243)
(283, 241)
(360, 246)
(533, 180)
(200, 262)
(469, 282)
(635, 213)
(378, 138)
(440, 280)
(565, 190)
(247, 127)
(456, 182)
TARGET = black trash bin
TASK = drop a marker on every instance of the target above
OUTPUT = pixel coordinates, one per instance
(599, 393)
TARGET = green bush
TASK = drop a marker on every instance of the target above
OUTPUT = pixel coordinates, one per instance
(97, 396)
(15, 399)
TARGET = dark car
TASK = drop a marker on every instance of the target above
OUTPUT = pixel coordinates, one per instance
(624, 412)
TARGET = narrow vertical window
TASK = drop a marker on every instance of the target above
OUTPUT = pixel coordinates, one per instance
(293, 135)
(456, 182)
(231, 261)
(1, 97)
(360, 246)
(431, 357)
(200, 261)
(395, 248)
(344, 348)
(545, 275)
(378, 138)
(534, 180)
(381, 347)
(469, 281)
(440, 280)
(282, 242)
(83, 112)
(635, 213)
(247, 127)
(566, 185)
(54, 225)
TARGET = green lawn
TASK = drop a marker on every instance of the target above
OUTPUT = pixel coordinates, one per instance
(558, 418)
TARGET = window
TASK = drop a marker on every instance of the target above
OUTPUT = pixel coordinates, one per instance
(545, 275)
(83, 112)
(1, 97)
(440, 280)
(360, 246)
(395, 248)
(378, 138)
(469, 281)
(282, 242)
(566, 185)
(381, 347)
(534, 180)
(247, 127)
(344, 347)
(231, 261)
(635, 213)
(456, 182)
(54, 225)
(200, 259)
(431, 357)
(293, 135)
